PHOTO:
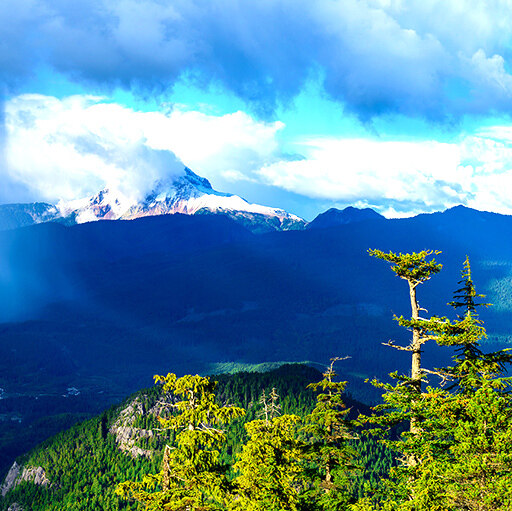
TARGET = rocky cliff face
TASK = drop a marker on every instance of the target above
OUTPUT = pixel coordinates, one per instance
(17, 474)
(126, 434)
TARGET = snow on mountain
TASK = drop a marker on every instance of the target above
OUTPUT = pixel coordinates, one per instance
(13, 216)
(188, 194)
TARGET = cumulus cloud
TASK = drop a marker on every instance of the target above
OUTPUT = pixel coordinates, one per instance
(401, 178)
(72, 148)
(421, 174)
(440, 59)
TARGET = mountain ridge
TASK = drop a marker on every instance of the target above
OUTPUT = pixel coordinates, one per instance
(187, 193)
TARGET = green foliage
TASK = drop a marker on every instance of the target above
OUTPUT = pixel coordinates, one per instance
(270, 471)
(303, 452)
(191, 476)
(414, 267)
(84, 463)
(329, 431)
(84, 467)
(472, 365)
(461, 442)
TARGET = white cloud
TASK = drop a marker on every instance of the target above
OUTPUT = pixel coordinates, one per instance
(70, 148)
(400, 178)
(353, 168)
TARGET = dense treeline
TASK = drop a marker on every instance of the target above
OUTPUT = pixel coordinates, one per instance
(454, 450)
(84, 464)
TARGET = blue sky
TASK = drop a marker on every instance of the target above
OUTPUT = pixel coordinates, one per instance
(403, 106)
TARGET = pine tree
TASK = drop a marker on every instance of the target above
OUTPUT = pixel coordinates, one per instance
(415, 268)
(330, 433)
(269, 468)
(463, 444)
(474, 421)
(191, 476)
(403, 400)
(472, 365)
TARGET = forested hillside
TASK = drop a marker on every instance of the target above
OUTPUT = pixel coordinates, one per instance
(286, 441)
(84, 465)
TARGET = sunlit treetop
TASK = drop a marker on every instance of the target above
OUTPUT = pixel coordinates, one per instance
(415, 267)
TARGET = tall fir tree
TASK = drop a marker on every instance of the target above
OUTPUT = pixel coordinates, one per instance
(192, 476)
(463, 445)
(415, 268)
(330, 432)
(270, 469)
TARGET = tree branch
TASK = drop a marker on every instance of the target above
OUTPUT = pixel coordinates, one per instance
(393, 345)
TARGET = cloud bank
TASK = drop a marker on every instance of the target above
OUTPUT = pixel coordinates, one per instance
(439, 59)
(71, 148)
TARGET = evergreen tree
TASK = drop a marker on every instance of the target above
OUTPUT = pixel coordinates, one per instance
(404, 400)
(191, 476)
(472, 366)
(473, 423)
(415, 268)
(462, 446)
(330, 433)
(270, 471)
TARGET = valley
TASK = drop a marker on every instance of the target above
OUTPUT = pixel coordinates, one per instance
(103, 306)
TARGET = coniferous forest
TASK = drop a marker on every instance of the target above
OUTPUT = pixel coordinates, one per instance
(293, 439)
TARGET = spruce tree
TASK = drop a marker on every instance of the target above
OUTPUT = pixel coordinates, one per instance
(403, 400)
(463, 444)
(473, 422)
(330, 432)
(270, 471)
(472, 366)
(191, 476)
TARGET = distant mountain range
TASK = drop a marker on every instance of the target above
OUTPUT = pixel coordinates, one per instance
(188, 194)
(333, 217)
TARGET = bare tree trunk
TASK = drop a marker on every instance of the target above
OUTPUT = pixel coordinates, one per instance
(416, 344)
(416, 362)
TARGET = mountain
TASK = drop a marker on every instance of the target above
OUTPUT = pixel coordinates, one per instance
(81, 467)
(188, 194)
(334, 216)
(13, 216)
(102, 306)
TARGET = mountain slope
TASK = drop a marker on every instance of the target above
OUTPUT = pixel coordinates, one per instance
(81, 467)
(102, 306)
(13, 216)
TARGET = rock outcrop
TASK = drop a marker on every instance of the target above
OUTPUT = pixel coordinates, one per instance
(127, 435)
(17, 474)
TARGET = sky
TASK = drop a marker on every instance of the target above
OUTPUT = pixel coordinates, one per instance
(399, 105)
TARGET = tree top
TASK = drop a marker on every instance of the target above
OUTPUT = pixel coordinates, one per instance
(414, 267)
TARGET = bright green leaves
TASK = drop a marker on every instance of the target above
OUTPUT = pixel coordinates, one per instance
(458, 455)
(287, 463)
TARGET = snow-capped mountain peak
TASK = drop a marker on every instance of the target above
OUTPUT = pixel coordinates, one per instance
(188, 194)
